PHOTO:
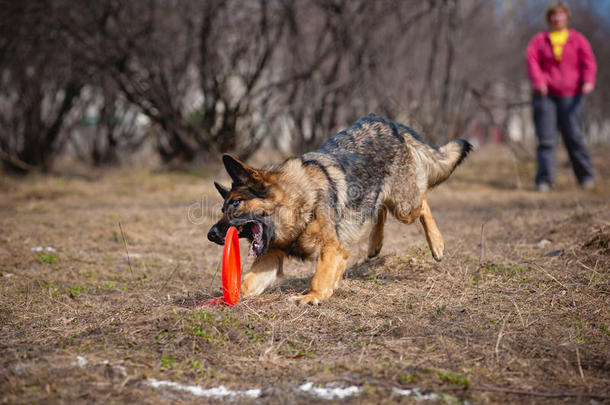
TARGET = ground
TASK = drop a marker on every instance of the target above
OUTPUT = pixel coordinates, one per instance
(518, 310)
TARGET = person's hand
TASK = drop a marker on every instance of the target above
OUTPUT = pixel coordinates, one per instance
(543, 90)
(587, 88)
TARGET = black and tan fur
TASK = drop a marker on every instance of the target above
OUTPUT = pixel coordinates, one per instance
(315, 205)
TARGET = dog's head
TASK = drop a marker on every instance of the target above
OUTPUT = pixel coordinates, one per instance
(248, 205)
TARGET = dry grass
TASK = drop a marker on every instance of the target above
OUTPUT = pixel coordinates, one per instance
(520, 323)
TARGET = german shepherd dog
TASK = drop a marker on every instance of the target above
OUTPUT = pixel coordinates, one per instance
(314, 205)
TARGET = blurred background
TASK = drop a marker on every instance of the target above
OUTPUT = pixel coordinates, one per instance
(177, 82)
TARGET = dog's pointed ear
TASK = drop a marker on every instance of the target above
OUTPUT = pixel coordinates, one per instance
(239, 171)
(224, 192)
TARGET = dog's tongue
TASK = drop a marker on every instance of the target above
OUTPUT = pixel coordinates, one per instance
(257, 236)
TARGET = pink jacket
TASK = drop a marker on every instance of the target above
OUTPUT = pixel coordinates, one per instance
(563, 78)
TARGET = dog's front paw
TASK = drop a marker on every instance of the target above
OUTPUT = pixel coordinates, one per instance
(373, 252)
(310, 299)
(251, 286)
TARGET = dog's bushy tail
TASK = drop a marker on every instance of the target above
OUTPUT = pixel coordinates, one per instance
(442, 162)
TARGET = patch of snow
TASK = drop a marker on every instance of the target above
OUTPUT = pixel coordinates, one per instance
(40, 249)
(329, 393)
(81, 361)
(122, 371)
(543, 243)
(399, 391)
(216, 392)
(179, 261)
(416, 394)
(114, 370)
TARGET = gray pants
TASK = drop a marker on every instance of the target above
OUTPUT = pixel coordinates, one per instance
(565, 113)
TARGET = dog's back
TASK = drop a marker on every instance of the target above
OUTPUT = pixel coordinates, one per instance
(377, 162)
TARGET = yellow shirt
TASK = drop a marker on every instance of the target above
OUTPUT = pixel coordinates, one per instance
(558, 40)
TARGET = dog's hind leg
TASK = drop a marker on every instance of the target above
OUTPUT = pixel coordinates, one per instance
(408, 213)
(433, 235)
(263, 273)
(376, 236)
(329, 270)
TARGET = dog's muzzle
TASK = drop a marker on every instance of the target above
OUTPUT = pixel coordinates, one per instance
(258, 230)
(216, 235)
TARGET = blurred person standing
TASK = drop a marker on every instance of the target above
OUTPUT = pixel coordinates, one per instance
(561, 68)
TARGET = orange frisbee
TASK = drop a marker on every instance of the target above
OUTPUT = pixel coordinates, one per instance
(231, 267)
(231, 271)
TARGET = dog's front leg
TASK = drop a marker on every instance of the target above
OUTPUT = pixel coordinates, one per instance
(263, 273)
(329, 271)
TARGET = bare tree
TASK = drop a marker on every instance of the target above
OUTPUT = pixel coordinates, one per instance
(105, 129)
(40, 80)
(411, 61)
(334, 58)
(225, 75)
(158, 52)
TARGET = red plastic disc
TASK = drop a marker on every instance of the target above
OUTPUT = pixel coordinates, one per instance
(218, 301)
(231, 267)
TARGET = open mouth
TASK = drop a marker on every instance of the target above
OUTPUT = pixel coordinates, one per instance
(254, 231)
(259, 231)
